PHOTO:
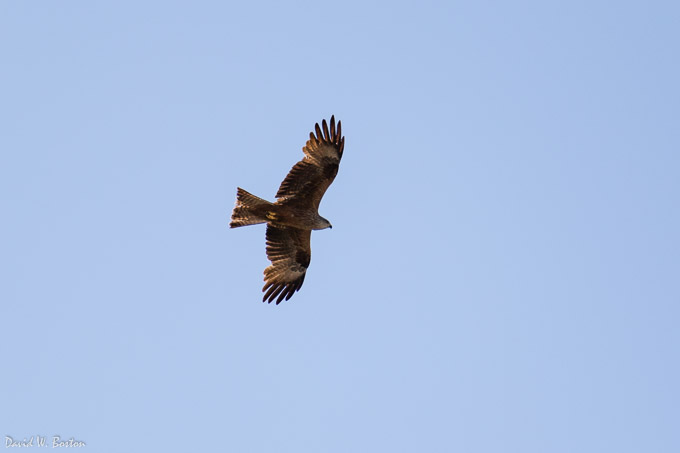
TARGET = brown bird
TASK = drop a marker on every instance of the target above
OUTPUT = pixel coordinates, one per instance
(295, 213)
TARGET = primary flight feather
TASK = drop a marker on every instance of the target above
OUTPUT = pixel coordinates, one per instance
(295, 213)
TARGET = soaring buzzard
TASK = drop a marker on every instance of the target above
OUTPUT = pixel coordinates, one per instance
(291, 219)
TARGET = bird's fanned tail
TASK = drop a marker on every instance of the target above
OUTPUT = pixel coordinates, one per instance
(249, 209)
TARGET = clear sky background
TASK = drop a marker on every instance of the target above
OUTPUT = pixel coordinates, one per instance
(503, 274)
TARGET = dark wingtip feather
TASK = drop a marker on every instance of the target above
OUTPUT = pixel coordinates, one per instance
(271, 293)
(281, 291)
(326, 135)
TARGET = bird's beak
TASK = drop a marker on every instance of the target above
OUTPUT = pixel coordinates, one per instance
(331, 227)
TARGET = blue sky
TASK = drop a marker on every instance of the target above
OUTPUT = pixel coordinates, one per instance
(502, 275)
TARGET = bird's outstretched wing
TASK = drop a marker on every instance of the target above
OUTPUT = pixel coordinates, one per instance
(290, 253)
(308, 180)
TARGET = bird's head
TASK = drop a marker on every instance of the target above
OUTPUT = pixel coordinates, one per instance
(322, 224)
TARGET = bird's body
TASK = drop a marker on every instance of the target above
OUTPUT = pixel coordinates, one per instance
(292, 217)
(281, 213)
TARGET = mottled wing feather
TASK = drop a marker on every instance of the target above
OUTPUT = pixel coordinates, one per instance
(308, 180)
(290, 252)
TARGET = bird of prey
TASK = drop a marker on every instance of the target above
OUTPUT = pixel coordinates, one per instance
(295, 213)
